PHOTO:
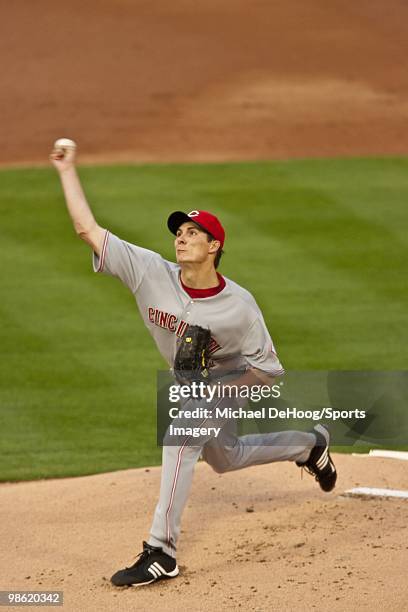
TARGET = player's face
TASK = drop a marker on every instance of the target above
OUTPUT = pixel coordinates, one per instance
(192, 244)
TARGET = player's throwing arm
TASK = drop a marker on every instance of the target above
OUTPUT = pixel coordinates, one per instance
(63, 158)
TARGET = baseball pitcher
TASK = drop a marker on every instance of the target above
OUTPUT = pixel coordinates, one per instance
(201, 322)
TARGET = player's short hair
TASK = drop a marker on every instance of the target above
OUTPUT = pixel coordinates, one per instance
(218, 254)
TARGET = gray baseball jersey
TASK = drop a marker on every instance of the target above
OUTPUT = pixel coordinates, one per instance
(240, 338)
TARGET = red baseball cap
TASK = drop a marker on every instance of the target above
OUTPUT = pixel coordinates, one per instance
(203, 218)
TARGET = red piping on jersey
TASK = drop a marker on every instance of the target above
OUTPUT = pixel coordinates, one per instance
(204, 293)
(103, 252)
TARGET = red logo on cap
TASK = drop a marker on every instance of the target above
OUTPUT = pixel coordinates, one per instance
(210, 223)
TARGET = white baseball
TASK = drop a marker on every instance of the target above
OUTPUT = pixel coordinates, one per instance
(64, 143)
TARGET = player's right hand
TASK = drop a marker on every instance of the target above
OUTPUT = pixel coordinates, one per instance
(63, 159)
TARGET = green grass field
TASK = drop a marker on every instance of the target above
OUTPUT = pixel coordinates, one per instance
(321, 244)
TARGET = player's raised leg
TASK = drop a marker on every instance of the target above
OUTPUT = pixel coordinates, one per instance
(319, 463)
(308, 450)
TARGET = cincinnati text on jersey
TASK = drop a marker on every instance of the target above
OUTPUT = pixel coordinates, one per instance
(177, 326)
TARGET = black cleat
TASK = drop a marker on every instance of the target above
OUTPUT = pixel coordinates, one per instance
(153, 564)
(320, 464)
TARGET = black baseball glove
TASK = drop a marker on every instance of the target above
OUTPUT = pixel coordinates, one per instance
(191, 363)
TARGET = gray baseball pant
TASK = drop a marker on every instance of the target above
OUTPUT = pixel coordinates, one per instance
(225, 453)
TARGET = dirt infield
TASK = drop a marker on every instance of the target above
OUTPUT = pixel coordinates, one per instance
(258, 539)
(204, 80)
